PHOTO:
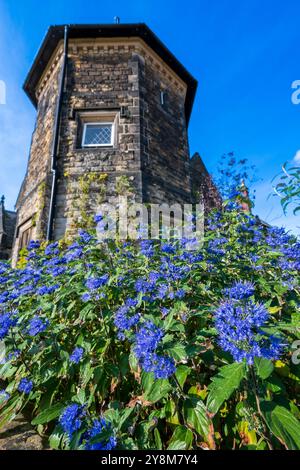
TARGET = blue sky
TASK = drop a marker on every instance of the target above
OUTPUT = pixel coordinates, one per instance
(245, 55)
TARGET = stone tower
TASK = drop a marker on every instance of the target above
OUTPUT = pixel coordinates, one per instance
(113, 106)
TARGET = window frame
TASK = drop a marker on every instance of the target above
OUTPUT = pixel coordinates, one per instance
(95, 124)
(25, 230)
(25, 238)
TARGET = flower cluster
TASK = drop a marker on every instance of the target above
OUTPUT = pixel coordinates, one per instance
(98, 435)
(240, 290)
(95, 283)
(7, 320)
(76, 355)
(37, 325)
(25, 386)
(46, 290)
(125, 319)
(94, 440)
(71, 418)
(239, 322)
(147, 340)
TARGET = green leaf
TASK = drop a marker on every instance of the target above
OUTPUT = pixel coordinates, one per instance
(147, 381)
(56, 438)
(112, 416)
(86, 372)
(160, 389)
(128, 444)
(133, 362)
(81, 398)
(282, 424)
(195, 415)
(48, 415)
(154, 390)
(176, 350)
(223, 385)
(263, 367)
(181, 374)
(124, 415)
(182, 439)
(168, 320)
(171, 412)
(275, 385)
(157, 438)
(10, 411)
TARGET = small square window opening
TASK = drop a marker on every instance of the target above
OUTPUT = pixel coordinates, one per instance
(98, 134)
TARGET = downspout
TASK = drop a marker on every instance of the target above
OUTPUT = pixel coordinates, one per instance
(55, 141)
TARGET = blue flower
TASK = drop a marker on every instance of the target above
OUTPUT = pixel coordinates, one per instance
(147, 249)
(71, 418)
(37, 325)
(216, 248)
(163, 291)
(56, 271)
(98, 218)
(164, 311)
(162, 367)
(123, 321)
(277, 237)
(239, 325)
(99, 427)
(168, 248)
(52, 249)
(180, 293)
(4, 268)
(73, 254)
(94, 283)
(131, 302)
(240, 290)
(45, 290)
(6, 322)
(147, 339)
(85, 237)
(76, 355)
(144, 286)
(25, 386)
(86, 297)
(33, 245)
(11, 357)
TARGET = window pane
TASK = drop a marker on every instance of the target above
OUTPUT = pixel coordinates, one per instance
(99, 134)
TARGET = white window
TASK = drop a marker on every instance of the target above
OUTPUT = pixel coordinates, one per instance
(98, 134)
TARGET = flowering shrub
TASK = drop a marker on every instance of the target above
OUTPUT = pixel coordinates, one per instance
(151, 346)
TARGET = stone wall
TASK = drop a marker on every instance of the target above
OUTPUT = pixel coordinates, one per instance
(7, 230)
(202, 186)
(165, 151)
(104, 79)
(33, 200)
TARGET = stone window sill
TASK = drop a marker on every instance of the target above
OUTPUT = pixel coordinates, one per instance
(96, 148)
